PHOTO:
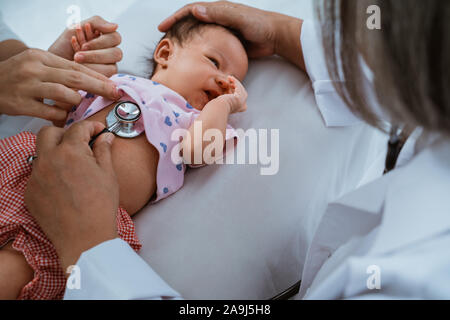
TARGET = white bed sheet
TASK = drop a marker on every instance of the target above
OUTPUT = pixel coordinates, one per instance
(229, 233)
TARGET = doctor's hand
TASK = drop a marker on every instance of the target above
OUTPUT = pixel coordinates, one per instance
(267, 32)
(98, 41)
(73, 191)
(33, 75)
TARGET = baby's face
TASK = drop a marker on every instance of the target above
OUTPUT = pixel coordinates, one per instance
(199, 69)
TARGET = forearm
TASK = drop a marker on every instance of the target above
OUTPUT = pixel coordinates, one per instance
(288, 45)
(213, 116)
(10, 48)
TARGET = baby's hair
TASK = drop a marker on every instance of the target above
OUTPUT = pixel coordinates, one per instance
(184, 29)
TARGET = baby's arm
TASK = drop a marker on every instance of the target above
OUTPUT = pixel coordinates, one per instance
(214, 116)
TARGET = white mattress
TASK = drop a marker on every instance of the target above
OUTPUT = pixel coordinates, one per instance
(229, 233)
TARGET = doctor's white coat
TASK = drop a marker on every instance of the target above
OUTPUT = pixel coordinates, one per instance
(389, 238)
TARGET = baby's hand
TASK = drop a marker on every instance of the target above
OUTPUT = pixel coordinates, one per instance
(96, 50)
(83, 36)
(236, 98)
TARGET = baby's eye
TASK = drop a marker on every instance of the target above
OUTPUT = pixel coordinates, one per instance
(216, 63)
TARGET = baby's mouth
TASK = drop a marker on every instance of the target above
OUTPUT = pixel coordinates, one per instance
(211, 94)
(208, 95)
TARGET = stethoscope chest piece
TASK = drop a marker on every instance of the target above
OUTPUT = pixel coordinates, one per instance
(122, 119)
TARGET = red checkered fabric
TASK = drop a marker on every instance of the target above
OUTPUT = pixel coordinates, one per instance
(17, 225)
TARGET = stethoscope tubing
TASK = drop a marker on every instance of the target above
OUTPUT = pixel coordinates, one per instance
(94, 138)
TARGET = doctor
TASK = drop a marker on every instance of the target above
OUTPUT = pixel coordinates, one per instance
(387, 239)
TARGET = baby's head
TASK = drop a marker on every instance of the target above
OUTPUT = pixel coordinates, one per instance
(194, 59)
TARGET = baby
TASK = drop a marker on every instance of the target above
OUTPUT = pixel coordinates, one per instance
(196, 77)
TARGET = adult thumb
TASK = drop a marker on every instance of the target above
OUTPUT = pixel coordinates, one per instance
(102, 25)
(102, 151)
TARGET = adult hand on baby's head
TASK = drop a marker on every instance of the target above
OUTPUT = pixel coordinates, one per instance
(73, 191)
(267, 32)
(256, 26)
(98, 40)
(236, 98)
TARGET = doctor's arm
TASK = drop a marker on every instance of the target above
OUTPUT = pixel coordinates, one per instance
(10, 43)
(11, 47)
(73, 194)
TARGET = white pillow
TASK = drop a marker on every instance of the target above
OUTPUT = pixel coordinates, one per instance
(231, 233)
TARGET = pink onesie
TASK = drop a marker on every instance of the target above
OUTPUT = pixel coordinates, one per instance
(163, 111)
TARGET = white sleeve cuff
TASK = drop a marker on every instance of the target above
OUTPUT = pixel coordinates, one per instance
(333, 109)
(113, 270)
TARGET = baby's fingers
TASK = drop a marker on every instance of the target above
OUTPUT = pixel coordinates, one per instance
(89, 33)
(239, 89)
(80, 36)
(239, 94)
(75, 45)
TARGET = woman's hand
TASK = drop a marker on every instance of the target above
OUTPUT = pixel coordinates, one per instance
(73, 191)
(268, 33)
(33, 75)
(99, 40)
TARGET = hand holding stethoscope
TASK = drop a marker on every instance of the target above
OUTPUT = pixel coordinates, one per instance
(121, 121)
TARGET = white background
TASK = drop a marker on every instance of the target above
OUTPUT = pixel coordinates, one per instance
(40, 22)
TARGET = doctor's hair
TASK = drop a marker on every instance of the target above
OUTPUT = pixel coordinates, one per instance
(184, 30)
(408, 57)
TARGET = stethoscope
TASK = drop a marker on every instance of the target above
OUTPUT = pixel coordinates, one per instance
(397, 138)
(121, 121)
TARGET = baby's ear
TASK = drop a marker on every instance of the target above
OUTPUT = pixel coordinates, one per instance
(163, 52)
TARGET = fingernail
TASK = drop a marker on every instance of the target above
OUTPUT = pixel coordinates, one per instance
(117, 93)
(85, 47)
(109, 137)
(79, 56)
(201, 10)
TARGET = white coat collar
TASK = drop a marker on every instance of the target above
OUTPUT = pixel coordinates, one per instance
(417, 199)
(409, 204)
(413, 202)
